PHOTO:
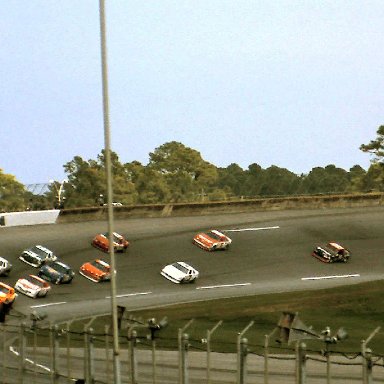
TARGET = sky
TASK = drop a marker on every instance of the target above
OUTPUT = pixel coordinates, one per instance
(296, 84)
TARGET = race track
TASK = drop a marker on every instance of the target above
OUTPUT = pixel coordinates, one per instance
(270, 253)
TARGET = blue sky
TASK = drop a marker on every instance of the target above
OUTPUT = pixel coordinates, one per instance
(297, 84)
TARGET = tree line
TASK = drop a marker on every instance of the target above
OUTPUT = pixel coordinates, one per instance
(176, 173)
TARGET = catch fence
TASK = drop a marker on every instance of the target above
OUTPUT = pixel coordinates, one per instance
(50, 353)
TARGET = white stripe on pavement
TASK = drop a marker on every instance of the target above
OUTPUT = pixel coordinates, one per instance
(224, 286)
(330, 277)
(251, 229)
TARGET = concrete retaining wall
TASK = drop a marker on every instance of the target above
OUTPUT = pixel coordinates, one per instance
(191, 209)
(29, 218)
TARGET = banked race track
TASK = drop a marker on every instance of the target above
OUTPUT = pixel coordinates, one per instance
(270, 252)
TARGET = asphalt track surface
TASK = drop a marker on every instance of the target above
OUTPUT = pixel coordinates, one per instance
(271, 252)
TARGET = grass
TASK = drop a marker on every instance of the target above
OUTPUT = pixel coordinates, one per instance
(357, 308)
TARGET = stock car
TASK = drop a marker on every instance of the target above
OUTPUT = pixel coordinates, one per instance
(7, 294)
(37, 256)
(331, 253)
(96, 270)
(32, 286)
(101, 241)
(212, 240)
(5, 267)
(57, 272)
(180, 272)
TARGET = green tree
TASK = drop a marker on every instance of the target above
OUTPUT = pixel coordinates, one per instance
(356, 178)
(278, 181)
(13, 196)
(326, 180)
(232, 178)
(376, 147)
(184, 171)
(150, 185)
(373, 180)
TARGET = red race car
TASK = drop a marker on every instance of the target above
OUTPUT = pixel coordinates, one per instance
(212, 240)
(96, 270)
(101, 241)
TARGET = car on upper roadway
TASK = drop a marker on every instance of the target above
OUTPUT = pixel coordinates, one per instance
(180, 272)
(32, 286)
(57, 272)
(37, 256)
(7, 294)
(212, 240)
(331, 253)
(96, 270)
(5, 267)
(101, 241)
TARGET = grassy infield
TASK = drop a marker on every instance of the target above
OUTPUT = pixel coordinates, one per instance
(358, 308)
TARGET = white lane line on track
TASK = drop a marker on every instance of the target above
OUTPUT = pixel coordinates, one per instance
(330, 277)
(251, 229)
(130, 294)
(224, 286)
(48, 305)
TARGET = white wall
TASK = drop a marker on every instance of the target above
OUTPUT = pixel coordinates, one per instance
(29, 218)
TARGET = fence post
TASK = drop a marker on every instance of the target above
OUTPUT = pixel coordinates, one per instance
(89, 358)
(209, 334)
(4, 351)
(239, 338)
(107, 370)
(22, 346)
(184, 358)
(132, 335)
(180, 342)
(301, 364)
(243, 360)
(68, 345)
(369, 365)
(54, 347)
(266, 353)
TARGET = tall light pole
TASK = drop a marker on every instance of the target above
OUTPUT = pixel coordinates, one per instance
(104, 68)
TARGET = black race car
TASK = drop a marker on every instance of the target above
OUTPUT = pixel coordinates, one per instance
(57, 272)
(331, 253)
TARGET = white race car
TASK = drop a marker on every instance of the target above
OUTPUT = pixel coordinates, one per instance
(37, 256)
(180, 272)
(32, 286)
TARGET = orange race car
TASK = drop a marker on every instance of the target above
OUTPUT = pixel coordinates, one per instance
(7, 294)
(212, 240)
(96, 270)
(101, 241)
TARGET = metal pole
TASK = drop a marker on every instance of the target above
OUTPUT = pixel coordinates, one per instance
(68, 340)
(266, 353)
(328, 357)
(54, 345)
(107, 372)
(209, 334)
(302, 358)
(153, 361)
(132, 335)
(184, 358)
(179, 339)
(22, 346)
(115, 331)
(239, 337)
(243, 358)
